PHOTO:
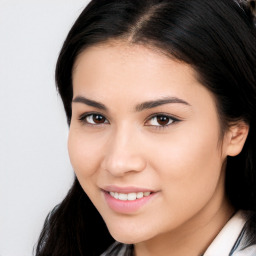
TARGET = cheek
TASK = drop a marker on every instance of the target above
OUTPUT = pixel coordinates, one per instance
(84, 154)
(184, 149)
(189, 163)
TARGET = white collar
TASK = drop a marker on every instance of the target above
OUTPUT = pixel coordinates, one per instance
(225, 240)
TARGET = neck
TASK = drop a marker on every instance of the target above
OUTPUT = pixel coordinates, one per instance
(192, 238)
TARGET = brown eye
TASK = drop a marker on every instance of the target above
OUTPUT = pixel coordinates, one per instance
(160, 120)
(95, 119)
(163, 120)
(98, 119)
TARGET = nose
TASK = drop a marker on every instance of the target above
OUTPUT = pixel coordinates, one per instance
(124, 154)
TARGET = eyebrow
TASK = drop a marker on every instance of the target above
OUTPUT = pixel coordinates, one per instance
(159, 102)
(91, 103)
(138, 108)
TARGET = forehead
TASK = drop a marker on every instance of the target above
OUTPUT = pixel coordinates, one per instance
(127, 58)
(125, 51)
(134, 73)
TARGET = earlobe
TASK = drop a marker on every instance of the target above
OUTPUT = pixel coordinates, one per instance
(237, 135)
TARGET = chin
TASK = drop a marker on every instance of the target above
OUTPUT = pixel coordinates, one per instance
(127, 236)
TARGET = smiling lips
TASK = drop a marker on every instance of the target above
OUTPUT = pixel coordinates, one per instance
(127, 200)
(129, 196)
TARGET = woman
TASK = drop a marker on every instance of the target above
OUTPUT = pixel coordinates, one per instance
(160, 97)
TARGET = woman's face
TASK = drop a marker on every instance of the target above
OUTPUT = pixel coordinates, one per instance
(144, 142)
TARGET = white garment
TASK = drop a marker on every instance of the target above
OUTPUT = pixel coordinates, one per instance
(223, 244)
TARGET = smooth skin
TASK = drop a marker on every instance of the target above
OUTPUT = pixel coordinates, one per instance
(172, 146)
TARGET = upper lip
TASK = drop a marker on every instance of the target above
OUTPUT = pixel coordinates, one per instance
(129, 189)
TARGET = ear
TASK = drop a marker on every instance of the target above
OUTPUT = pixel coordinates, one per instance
(236, 136)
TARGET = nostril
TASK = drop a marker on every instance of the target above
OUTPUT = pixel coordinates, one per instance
(120, 165)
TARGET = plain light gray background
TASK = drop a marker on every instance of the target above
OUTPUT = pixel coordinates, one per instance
(35, 173)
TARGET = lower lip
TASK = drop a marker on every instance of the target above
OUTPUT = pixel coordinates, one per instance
(127, 206)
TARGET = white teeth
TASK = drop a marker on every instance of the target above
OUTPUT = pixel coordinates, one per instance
(122, 197)
(146, 193)
(139, 195)
(132, 196)
(116, 195)
(129, 196)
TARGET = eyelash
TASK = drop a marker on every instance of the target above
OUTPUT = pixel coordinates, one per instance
(172, 120)
(84, 116)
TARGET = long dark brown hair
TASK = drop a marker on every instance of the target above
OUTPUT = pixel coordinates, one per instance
(218, 39)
